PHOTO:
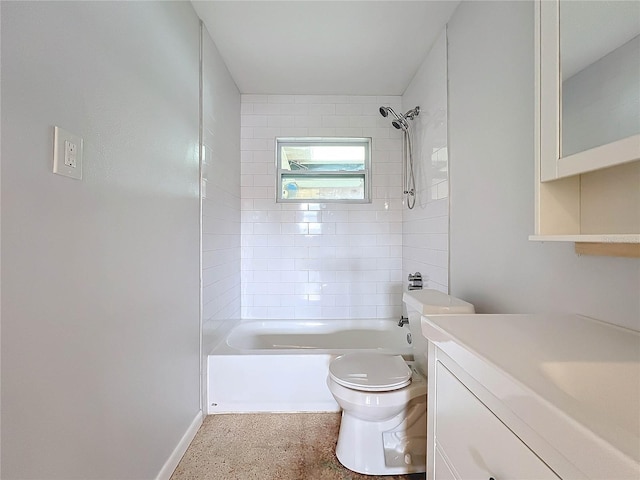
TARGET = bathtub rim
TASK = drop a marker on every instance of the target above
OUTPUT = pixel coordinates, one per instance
(220, 345)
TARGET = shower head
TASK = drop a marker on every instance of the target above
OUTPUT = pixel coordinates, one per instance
(400, 121)
(400, 124)
(385, 111)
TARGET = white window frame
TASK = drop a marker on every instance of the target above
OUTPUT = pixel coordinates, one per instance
(323, 141)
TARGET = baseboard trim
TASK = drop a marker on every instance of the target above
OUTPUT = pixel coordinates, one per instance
(172, 462)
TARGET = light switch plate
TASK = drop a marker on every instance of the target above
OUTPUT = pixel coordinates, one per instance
(67, 154)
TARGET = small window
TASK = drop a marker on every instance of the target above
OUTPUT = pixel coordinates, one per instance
(323, 169)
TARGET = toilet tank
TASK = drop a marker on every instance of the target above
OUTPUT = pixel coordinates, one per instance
(429, 302)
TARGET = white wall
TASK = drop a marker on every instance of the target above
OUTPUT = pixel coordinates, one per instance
(320, 260)
(491, 159)
(425, 228)
(0, 251)
(221, 190)
(100, 277)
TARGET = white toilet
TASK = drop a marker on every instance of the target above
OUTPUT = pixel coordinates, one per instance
(384, 398)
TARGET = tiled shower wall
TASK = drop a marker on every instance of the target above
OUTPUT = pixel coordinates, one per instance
(319, 260)
(220, 189)
(425, 229)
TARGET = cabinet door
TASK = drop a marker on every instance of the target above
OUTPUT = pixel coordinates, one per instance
(476, 443)
(441, 469)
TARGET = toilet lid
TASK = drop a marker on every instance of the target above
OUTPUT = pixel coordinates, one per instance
(370, 372)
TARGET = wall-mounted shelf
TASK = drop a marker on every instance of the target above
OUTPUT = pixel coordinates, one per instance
(602, 245)
(601, 207)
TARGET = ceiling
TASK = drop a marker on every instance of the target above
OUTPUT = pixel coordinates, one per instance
(324, 47)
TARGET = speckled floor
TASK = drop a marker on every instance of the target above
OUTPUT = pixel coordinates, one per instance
(264, 446)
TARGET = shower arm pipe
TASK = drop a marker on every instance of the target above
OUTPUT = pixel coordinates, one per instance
(411, 114)
(402, 119)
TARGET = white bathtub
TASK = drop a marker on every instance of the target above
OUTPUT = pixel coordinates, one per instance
(282, 365)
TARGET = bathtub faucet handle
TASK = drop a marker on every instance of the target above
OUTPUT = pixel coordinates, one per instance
(403, 321)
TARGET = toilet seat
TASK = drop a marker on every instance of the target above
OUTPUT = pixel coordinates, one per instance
(370, 372)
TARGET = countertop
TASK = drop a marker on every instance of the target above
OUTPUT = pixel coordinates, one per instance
(572, 379)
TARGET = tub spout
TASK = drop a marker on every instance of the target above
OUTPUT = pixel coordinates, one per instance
(403, 321)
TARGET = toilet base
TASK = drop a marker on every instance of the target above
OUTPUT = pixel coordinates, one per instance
(391, 447)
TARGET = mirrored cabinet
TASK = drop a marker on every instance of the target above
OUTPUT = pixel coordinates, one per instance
(588, 125)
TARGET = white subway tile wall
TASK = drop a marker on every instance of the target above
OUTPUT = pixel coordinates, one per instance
(425, 229)
(319, 260)
(220, 191)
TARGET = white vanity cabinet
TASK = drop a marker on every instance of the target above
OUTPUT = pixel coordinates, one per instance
(531, 397)
(472, 442)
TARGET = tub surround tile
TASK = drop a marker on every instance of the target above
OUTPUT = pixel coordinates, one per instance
(341, 243)
(426, 227)
(221, 191)
(269, 447)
